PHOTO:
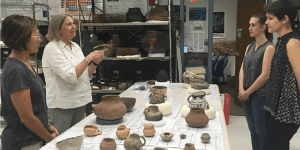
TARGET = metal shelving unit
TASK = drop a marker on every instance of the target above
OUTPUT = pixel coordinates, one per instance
(126, 26)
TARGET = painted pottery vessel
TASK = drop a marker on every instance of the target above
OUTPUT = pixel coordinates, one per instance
(108, 144)
(165, 108)
(91, 130)
(155, 42)
(149, 129)
(196, 117)
(159, 13)
(110, 108)
(129, 102)
(133, 142)
(122, 132)
(156, 98)
(160, 90)
(205, 137)
(166, 136)
(70, 143)
(197, 99)
(135, 15)
(152, 113)
(189, 146)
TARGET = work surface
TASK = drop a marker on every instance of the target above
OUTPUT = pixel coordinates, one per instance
(177, 95)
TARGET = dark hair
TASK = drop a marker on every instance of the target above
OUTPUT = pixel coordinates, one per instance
(262, 18)
(16, 31)
(280, 8)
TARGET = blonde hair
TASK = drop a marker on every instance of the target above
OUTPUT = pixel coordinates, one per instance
(55, 25)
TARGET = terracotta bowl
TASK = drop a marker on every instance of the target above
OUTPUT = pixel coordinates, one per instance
(91, 130)
(129, 102)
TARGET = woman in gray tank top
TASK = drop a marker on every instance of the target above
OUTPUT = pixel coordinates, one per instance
(254, 73)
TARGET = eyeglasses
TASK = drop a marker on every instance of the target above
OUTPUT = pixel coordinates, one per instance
(39, 36)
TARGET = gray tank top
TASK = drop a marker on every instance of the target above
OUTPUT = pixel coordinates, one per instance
(252, 66)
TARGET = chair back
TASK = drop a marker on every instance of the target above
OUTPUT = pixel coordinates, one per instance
(207, 76)
(221, 64)
(215, 61)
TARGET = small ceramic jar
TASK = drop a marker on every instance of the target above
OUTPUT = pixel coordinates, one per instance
(149, 129)
(189, 146)
(108, 144)
(91, 130)
(122, 132)
(182, 136)
(205, 137)
(166, 136)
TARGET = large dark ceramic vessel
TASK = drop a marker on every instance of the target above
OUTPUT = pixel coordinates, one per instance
(155, 41)
(152, 113)
(135, 15)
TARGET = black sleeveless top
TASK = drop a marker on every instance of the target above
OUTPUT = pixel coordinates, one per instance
(283, 98)
(252, 66)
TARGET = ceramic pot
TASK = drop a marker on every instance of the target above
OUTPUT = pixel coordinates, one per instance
(99, 18)
(196, 117)
(115, 18)
(197, 99)
(122, 86)
(211, 112)
(151, 82)
(182, 136)
(113, 83)
(152, 113)
(133, 142)
(91, 130)
(199, 85)
(110, 108)
(165, 108)
(155, 42)
(205, 137)
(108, 144)
(158, 14)
(70, 143)
(166, 136)
(160, 90)
(189, 146)
(162, 76)
(156, 98)
(129, 102)
(122, 132)
(160, 148)
(135, 15)
(149, 129)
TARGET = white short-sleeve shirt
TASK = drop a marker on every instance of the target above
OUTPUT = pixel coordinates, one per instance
(63, 89)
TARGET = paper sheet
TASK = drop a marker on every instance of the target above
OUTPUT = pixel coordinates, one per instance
(212, 127)
(92, 121)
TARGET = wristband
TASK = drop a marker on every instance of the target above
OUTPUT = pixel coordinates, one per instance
(95, 63)
(87, 61)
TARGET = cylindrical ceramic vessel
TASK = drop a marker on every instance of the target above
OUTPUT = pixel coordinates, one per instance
(160, 90)
(133, 142)
(196, 117)
(152, 113)
(149, 129)
(122, 132)
(108, 144)
(205, 137)
(189, 146)
(110, 108)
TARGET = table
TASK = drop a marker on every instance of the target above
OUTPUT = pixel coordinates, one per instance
(176, 94)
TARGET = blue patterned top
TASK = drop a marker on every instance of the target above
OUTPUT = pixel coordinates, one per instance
(283, 98)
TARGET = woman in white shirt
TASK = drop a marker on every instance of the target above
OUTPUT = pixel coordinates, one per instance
(67, 73)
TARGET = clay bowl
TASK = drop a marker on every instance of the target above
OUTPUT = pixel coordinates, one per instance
(70, 143)
(166, 136)
(99, 18)
(115, 18)
(199, 85)
(129, 102)
(91, 130)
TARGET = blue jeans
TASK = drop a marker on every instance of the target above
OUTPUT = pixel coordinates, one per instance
(257, 119)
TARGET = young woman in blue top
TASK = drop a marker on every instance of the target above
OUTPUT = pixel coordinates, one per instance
(254, 73)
